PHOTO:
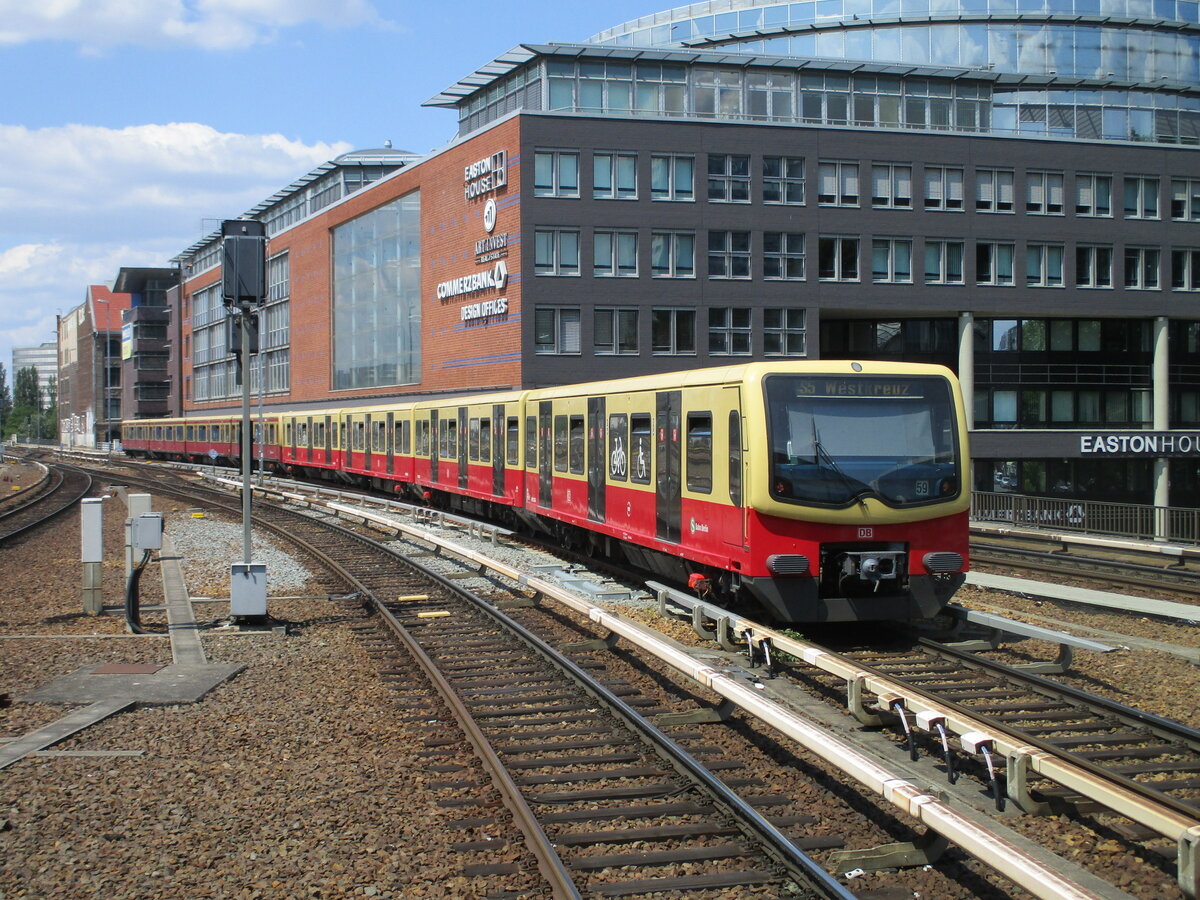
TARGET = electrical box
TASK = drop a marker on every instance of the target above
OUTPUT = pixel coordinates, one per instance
(248, 589)
(91, 529)
(147, 532)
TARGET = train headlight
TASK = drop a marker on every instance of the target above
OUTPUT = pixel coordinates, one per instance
(942, 561)
(787, 564)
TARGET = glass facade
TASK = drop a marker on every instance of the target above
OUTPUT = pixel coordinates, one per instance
(377, 297)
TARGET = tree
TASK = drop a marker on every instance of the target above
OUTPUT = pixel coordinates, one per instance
(27, 392)
(6, 401)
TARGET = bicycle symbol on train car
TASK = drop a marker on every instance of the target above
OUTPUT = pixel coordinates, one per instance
(616, 463)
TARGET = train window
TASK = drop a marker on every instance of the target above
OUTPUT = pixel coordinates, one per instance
(379, 436)
(560, 443)
(699, 452)
(473, 439)
(319, 434)
(444, 438)
(640, 448)
(273, 432)
(485, 440)
(452, 437)
(302, 434)
(400, 437)
(288, 431)
(618, 440)
(191, 432)
(577, 444)
(735, 458)
(158, 433)
(423, 437)
(513, 441)
(178, 432)
(360, 435)
(202, 433)
(531, 442)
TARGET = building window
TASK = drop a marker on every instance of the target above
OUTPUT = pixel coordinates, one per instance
(729, 331)
(717, 92)
(993, 263)
(672, 178)
(556, 330)
(783, 179)
(1044, 193)
(943, 262)
(556, 252)
(278, 278)
(615, 331)
(1185, 200)
(1093, 267)
(1093, 194)
(1141, 198)
(1044, 265)
(729, 254)
(1141, 268)
(728, 178)
(555, 173)
(891, 186)
(1185, 270)
(769, 95)
(993, 190)
(891, 260)
(837, 184)
(615, 254)
(673, 331)
(614, 176)
(944, 188)
(837, 259)
(673, 254)
(783, 331)
(783, 256)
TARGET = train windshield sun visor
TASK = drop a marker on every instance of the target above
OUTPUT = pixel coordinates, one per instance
(838, 439)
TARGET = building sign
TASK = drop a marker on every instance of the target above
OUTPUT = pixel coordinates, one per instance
(485, 176)
(126, 340)
(494, 278)
(473, 312)
(1140, 443)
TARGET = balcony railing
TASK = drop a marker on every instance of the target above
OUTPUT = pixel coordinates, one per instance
(1131, 520)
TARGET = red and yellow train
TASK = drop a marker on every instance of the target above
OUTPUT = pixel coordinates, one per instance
(823, 491)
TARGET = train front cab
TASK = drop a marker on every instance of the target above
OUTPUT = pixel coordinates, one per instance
(856, 489)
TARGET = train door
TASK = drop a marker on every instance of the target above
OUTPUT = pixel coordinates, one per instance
(433, 446)
(463, 437)
(328, 439)
(668, 497)
(390, 439)
(546, 454)
(368, 443)
(735, 536)
(498, 450)
(309, 434)
(597, 460)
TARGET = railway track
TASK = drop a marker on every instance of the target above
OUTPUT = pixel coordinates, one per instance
(62, 488)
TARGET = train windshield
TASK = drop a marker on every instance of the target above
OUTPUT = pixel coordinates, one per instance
(837, 439)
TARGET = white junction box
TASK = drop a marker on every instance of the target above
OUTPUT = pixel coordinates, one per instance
(248, 589)
(147, 532)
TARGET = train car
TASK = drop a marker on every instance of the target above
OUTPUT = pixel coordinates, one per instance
(310, 442)
(376, 445)
(823, 491)
(468, 450)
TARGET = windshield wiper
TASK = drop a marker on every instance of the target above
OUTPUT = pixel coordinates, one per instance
(856, 488)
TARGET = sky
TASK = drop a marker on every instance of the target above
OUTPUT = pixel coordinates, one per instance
(130, 128)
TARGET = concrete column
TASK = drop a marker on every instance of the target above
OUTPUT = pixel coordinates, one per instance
(1161, 422)
(91, 531)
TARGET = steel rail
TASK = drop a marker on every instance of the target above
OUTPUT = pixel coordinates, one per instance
(43, 497)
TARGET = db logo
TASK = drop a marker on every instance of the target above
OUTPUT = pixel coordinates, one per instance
(866, 533)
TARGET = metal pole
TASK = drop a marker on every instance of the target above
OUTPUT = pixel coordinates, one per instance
(247, 453)
(262, 426)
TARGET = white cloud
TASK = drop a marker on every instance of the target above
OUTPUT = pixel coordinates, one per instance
(209, 24)
(78, 202)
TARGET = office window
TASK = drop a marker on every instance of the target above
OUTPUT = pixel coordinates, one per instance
(1141, 268)
(615, 331)
(278, 277)
(783, 331)
(1093, 266)
(993, 263)
(1141, 198)
(729, 331)
(1185, 200)
(783, 179)
(891, 260)
(615, 254)
(672, 178)
(993, 190)
(1044, 193)
(944, 188)
(673, 254)
(729, 254)
(673, 331)
(1093, 194)
(556, 330)
(1044, 265)
(943, 262)
(555, 173)
(891, 186)
(728, 178)
(783, 255)
(614, 176)
(837, 259)
(1185, 270)
(556, 252)
(837, 184)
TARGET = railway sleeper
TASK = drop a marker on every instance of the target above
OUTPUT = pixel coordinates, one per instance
(925, 850)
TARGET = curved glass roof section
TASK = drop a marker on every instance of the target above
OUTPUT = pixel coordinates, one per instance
(1135, 40)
